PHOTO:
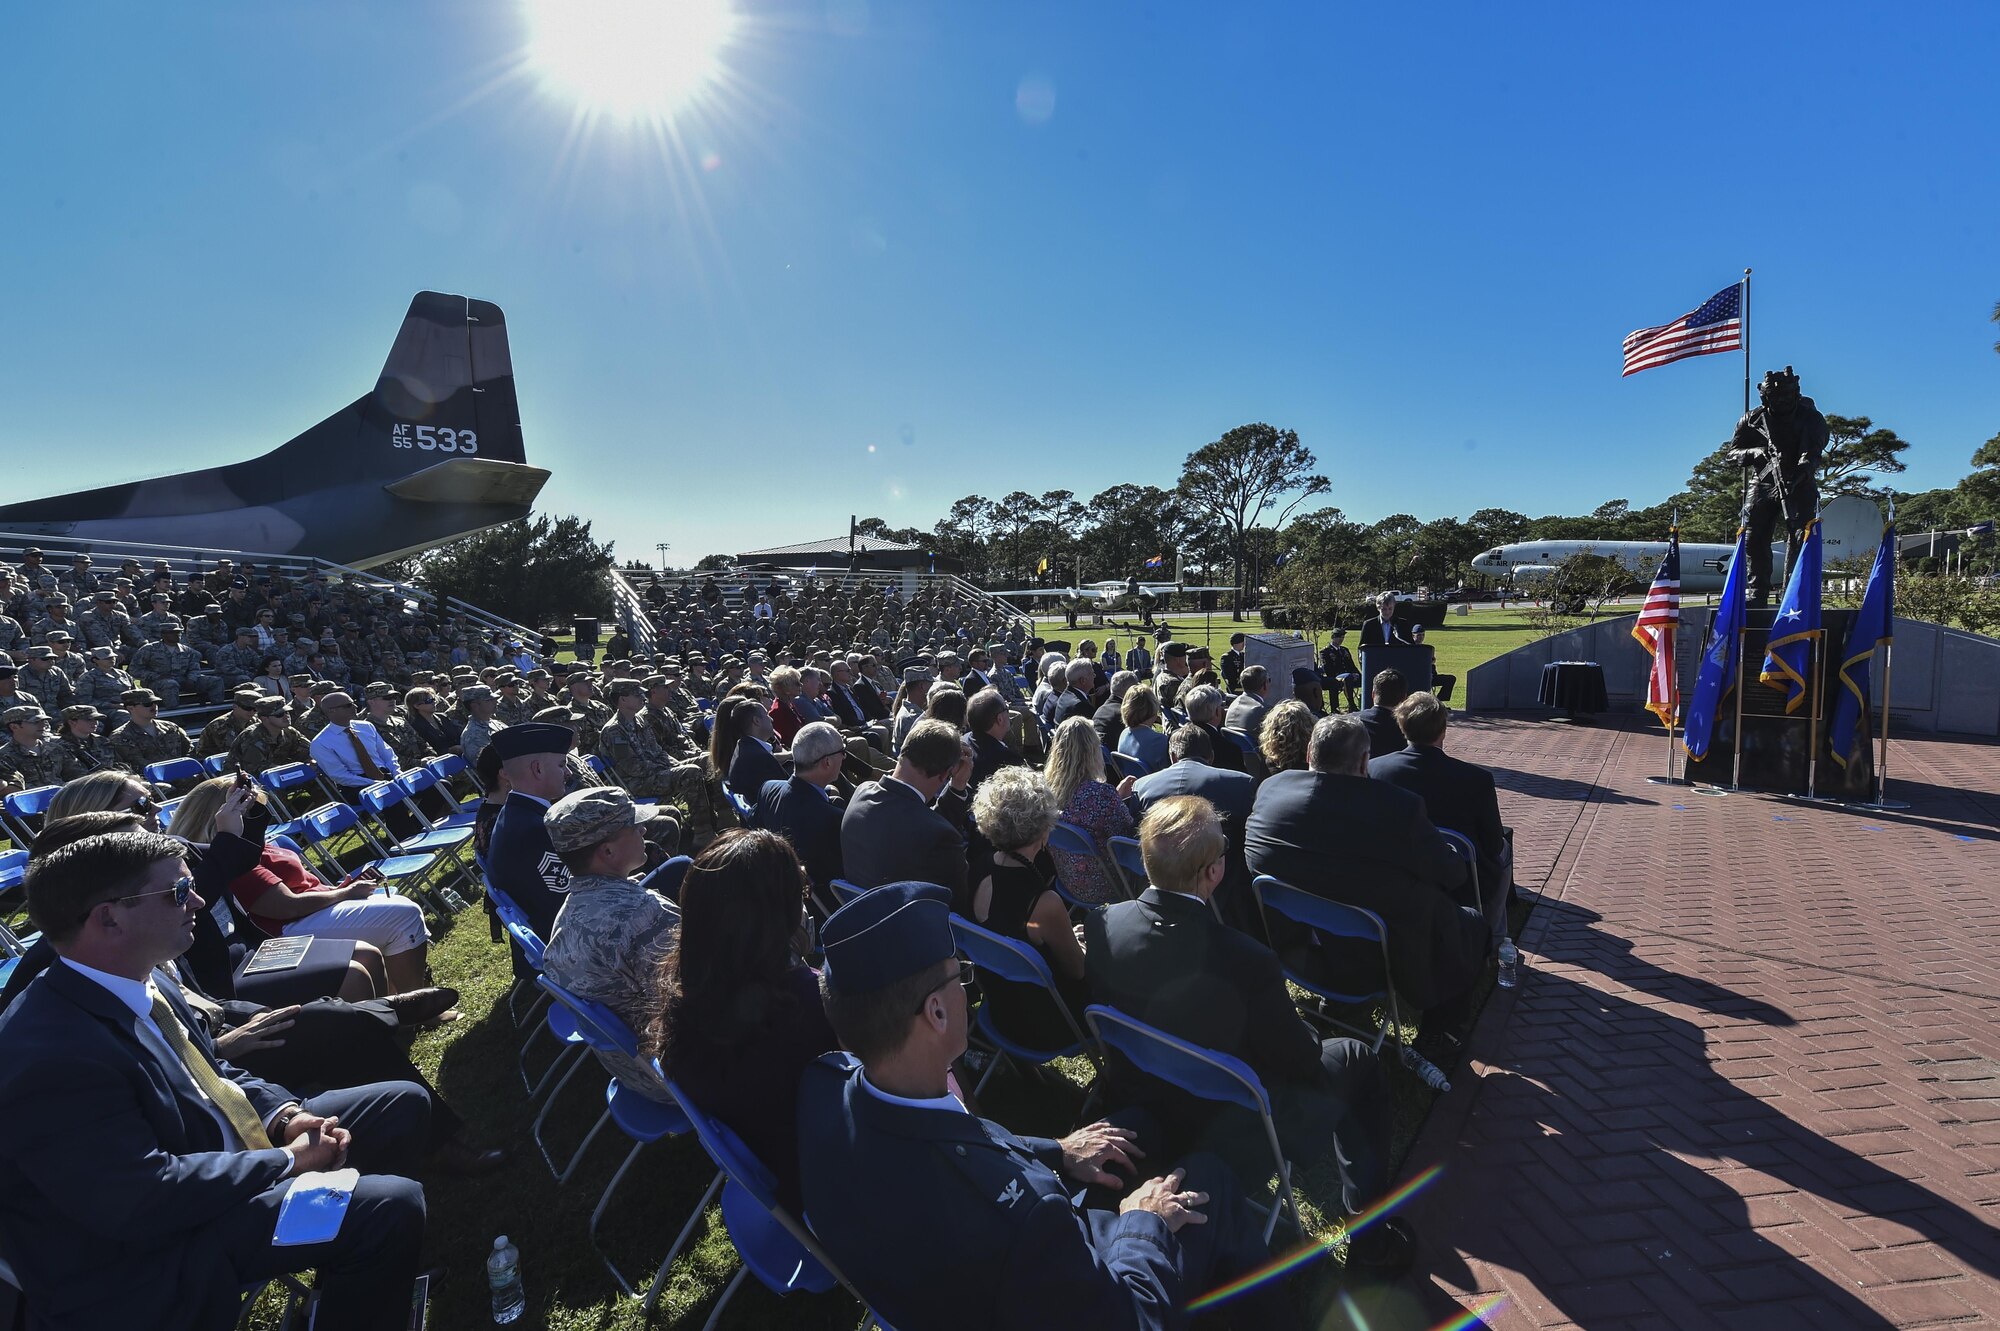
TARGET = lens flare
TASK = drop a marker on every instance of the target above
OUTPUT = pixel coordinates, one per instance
(1280, 1267)
(628, 59)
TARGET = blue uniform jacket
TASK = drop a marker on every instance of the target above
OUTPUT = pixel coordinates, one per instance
(945, 1221)
(112, 1168)
(521, 862)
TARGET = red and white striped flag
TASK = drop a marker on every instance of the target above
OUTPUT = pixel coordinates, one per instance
(1714, 325)
(1659, 620)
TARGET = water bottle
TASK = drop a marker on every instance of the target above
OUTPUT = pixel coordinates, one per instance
(503, 1278)
(1510, 960)
(453, 902)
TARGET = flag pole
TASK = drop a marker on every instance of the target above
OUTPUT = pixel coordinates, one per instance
(1746, 341)
(1736, 738)
(1882, 800)
(1818, 659)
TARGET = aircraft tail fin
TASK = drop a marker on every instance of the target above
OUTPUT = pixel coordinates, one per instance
(447, 388)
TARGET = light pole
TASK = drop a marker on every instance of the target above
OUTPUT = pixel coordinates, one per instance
(663, 547)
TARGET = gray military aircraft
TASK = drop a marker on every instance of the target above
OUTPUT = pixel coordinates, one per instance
(432, 454)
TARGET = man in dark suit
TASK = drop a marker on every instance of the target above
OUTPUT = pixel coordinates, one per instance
(1332, 831)
(798, 808)
(988, 722)
(1191, 770)
(1205, 709)
(1109, 718)
(933, 1212)
(1246, 711)
(891, 832)
(755, 760)
(1457, 795)
(140, 1176)
(1384, 735)
(1166, 959)
(1383, 631)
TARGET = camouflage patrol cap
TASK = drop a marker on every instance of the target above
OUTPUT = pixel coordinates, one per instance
(592, 816)
(560, 716)
(105, 596)
(210, 609)
(475, 693)
(651, 682)
(272, 706)
(245, 631)
(620, 688)
(57, 635)
(19, 716)
(82, 711)
(381, 688)
(56, 598)
(246, 698)
(80, 558)
(41, 654)
(299, 679)
(139, 698)
(537, 673)
(170, 624)
(102, 652)
(32, 552)
(321, 687)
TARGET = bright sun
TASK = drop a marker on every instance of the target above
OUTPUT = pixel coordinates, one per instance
(628, 59)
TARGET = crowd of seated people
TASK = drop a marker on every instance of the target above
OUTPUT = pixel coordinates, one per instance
(903, 786)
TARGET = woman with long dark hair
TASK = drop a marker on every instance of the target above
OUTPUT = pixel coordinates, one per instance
(740, 1013)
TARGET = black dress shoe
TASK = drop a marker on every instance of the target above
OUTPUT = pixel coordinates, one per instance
(1382, 1253)
(462, 1159)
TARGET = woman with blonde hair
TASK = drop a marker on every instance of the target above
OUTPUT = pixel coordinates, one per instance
(1015, 810)
(1286, 735)
(1142, 737)
(1075, 775)
(108, 791)
(284, 898)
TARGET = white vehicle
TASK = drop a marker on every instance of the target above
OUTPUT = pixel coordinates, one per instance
(1108, 590)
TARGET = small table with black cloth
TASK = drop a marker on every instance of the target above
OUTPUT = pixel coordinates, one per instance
(1575, 687)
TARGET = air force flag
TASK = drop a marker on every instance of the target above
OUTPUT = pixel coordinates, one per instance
(1717, 673)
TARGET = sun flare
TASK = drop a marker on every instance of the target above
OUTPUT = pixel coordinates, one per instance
(628, 59)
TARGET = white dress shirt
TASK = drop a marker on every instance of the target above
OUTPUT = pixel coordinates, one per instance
(333, 753)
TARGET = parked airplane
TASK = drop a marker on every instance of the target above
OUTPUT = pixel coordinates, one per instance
(1109, 590)
(1850, 526)
(432, 454)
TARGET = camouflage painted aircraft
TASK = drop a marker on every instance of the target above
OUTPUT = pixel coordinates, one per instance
(434, 453)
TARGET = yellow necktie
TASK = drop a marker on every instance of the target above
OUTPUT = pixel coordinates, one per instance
(225, 1094)
(369, 766)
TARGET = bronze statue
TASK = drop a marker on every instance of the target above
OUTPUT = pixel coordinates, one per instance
(1779, 445)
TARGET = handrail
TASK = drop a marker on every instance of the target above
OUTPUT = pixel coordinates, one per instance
(631, 611)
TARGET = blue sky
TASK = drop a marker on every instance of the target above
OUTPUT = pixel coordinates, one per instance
(1004, 246)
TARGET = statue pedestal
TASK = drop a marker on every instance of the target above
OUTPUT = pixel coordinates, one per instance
(1776, 744)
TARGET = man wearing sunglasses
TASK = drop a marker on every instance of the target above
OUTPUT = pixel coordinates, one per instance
(141, 1177)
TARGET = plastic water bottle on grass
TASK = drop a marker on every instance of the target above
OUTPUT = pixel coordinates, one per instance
(1510, 963)
(503, 1278)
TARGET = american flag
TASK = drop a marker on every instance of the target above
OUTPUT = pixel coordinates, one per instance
(1658, 621)
(1716, 326)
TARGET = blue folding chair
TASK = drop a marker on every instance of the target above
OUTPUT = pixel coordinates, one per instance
(1333, 919)
(1073, 840)
(1124, 765)
(21, 809)
(746, 812)
(448, 845)
(666, 880)
(13, 868)
(844, 891)
(175, 769)
(775, 1245)
(1461, 846)
(420, 779)
(322, 826)
(165, 811)
(1010, 959)
(285, 777)
(597, 765)
(638, 1102)
(450, 765)
(1125, 851)
(216, 763)
(1205, 1073)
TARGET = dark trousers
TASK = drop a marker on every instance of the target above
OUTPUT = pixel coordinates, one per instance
(365, 1272)
(1229, 1245)
(337, 1044)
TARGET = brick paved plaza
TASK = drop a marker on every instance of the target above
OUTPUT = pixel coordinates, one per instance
(1751, 1077)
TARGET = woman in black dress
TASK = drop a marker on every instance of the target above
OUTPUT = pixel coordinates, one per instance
(1015, 811)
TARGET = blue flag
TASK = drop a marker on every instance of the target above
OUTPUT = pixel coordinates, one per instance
(1717, 673)
(1788, 657)
(1873, 625)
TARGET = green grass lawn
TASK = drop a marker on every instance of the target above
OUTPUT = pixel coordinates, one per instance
(1462, 642)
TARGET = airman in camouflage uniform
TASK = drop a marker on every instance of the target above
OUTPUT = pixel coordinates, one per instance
(90, 750)
(405, 743)
(145, 738)
(102, 681)
(13, 638)
(30, 757)
(156, 619)
(636, 759)
(220, 733)
(592, 715)
(238, 662)
(105, 625)
(514, 706)
(480, 723)
(43, 681)
(169, 668)
(271, 742)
